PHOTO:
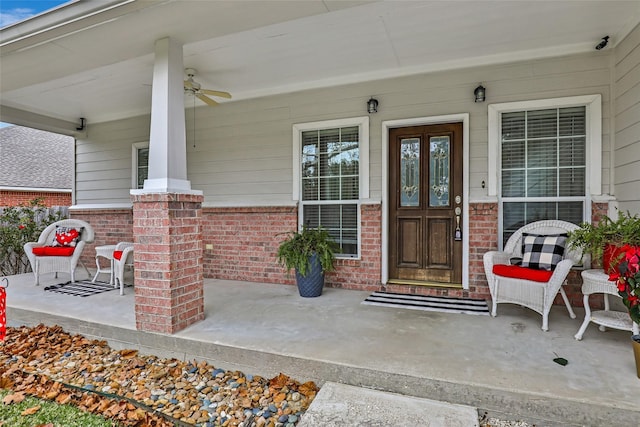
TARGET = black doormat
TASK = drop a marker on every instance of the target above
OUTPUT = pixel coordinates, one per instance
(428, 303)
(83, 288)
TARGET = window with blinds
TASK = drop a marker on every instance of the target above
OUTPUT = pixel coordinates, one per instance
(543, 166)
(140, 164)
(330, 176)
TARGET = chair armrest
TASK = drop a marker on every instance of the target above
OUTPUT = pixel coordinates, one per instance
(496, 257)
(121, 246)
(125, 253)
(557, 278)
(490, 259)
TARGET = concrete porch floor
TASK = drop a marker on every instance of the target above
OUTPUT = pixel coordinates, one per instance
(503, 365)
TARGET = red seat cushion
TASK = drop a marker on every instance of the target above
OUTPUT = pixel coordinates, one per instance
(117, 254)
(53, 251)
(517, 272)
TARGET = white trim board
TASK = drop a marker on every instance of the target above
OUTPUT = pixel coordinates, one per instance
(420, 121)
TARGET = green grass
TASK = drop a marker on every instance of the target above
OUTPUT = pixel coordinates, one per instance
(50, 412)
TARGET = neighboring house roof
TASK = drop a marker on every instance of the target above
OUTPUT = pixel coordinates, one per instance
(33, 158)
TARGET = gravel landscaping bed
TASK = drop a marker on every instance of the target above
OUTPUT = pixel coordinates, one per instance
(140, 390)
(186, 393)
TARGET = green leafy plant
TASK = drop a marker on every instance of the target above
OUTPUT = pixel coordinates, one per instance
(627, 278)
(592, 238)
(19, 225)
(296, 251)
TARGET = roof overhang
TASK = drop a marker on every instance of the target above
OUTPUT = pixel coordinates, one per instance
(95, 59)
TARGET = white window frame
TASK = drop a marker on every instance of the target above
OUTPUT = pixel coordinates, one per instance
(593, 117)
(363, 128)
(134, 162)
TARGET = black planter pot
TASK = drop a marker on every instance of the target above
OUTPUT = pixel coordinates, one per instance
(311, 285)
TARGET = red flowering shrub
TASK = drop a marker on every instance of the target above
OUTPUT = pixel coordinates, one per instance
(19, 225)
(627, 278)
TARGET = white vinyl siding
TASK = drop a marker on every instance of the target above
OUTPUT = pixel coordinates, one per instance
(627, 122)
(243, 152)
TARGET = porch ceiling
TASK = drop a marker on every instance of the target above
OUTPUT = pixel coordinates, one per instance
(95, 59)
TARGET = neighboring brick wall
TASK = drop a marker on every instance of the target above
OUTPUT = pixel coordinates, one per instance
(110, 226)
(16, 198)
(245, 242)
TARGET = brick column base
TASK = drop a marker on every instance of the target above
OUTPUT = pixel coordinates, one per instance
(168, 266)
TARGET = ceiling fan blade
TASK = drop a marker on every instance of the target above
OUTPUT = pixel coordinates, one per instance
(216, 93)
(188, 84)
(206, 100)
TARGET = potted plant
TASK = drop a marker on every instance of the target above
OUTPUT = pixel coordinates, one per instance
(311, 252)
(627, 278)
(605, 239)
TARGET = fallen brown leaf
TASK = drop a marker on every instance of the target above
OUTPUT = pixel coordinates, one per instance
(128, 353)
(13, 398)
(279, 381)
(30, 411)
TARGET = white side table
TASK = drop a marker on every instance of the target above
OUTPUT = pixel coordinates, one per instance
(597, 282)
(105, 251)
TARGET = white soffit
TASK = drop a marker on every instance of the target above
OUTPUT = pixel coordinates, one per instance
(256, 48)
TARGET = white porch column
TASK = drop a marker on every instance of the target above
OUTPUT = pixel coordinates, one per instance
(167, 141)
(167, 214)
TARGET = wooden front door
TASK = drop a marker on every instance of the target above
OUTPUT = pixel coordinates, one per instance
(425, 205)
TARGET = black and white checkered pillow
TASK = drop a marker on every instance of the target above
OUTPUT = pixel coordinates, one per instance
(542, 252)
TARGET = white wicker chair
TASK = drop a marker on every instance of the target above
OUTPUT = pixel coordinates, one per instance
(126, 260)
(537, 296)
(54, 264)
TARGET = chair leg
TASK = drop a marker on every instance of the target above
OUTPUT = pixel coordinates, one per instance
(545, 322)
(566, 303)
(36, 273)
(494, 301)
(587, 318)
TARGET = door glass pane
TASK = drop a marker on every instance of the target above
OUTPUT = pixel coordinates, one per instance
(439, 155)
(410, 172)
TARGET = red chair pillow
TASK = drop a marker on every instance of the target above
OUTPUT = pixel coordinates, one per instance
(67, 236)
(53, 250)
(517, 272)
(117, 254)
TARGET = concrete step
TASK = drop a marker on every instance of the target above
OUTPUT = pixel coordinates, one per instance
(340, 405)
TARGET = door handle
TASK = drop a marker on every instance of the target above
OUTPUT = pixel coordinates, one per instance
(458, 233)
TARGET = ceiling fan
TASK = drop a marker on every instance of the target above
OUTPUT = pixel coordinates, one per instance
(193, 87)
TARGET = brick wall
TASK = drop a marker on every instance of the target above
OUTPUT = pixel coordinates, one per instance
(245, 242)
(169, 293)
(16, 198)
(110, 226)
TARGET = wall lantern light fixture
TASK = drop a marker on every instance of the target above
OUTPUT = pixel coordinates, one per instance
(480, 93)
(372, 105)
